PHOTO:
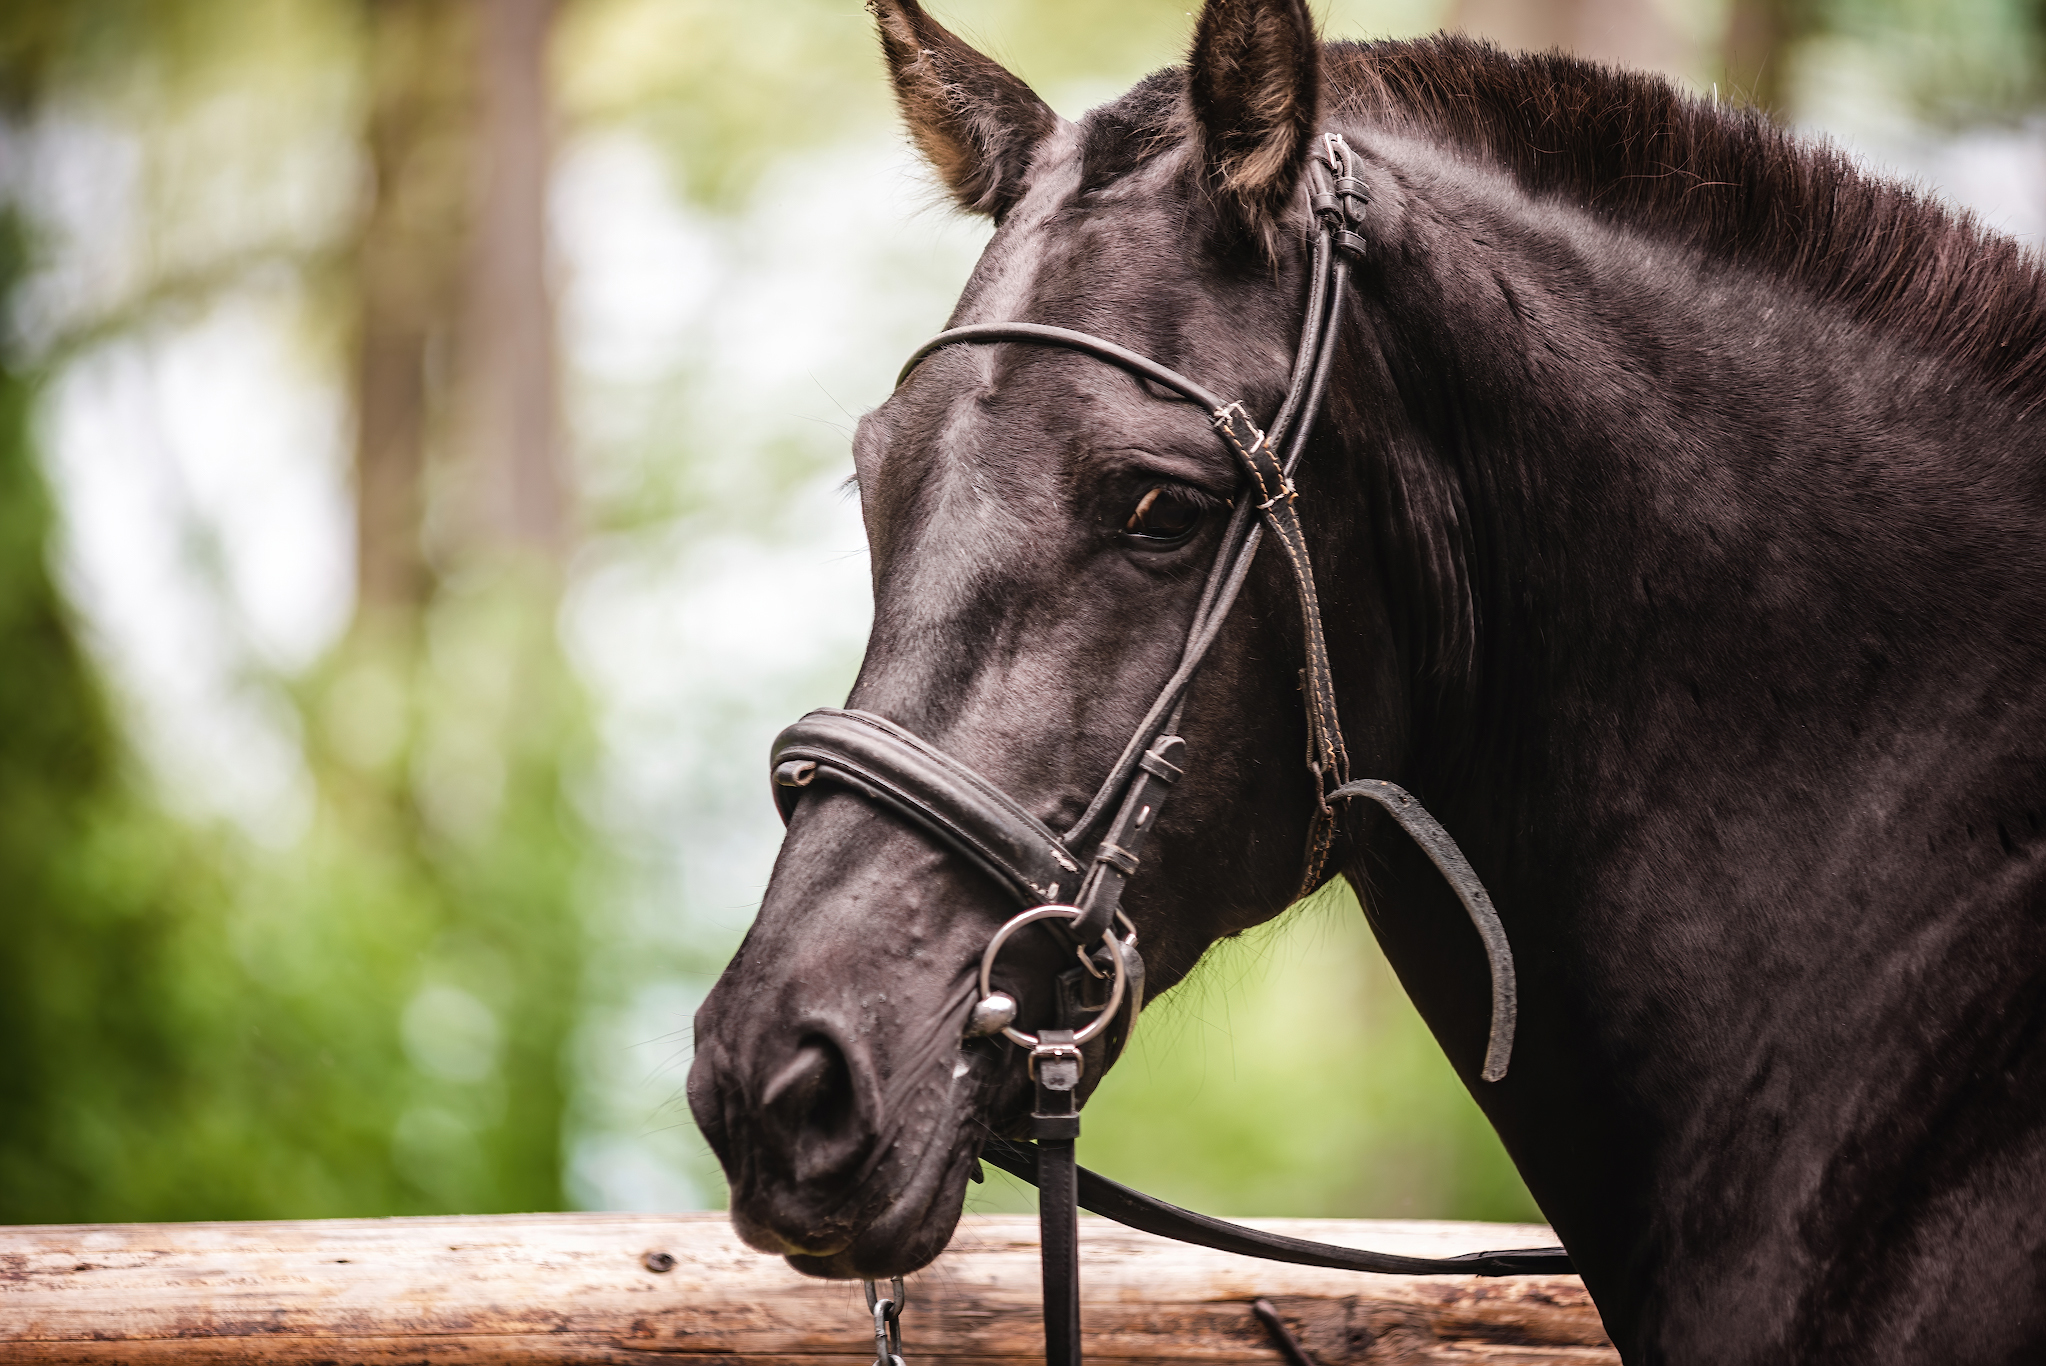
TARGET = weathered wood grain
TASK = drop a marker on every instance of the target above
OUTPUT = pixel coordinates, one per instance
(577, 1288)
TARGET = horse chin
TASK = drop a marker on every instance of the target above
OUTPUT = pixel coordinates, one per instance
(905, 1234)
(907, 1237)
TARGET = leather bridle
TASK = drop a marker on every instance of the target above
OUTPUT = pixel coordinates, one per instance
(1080, 895)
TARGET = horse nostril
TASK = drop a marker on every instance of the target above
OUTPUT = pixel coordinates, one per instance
(814, 1089)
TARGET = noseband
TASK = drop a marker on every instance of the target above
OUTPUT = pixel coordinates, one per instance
(1081, 897)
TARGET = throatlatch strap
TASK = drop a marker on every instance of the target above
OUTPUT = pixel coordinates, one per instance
(1134, 1209)
(1448, 859)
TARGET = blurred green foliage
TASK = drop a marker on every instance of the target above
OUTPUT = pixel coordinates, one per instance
(729, 89)
(1952, 63)
(1291, 1077)
(372, 1020)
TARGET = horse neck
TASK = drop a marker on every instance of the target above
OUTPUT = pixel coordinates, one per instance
(1679, 521)
(1728, 688)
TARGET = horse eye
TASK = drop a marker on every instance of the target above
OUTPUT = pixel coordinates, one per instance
(1164, 516)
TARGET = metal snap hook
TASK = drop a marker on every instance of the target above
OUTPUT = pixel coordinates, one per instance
(887, 1310)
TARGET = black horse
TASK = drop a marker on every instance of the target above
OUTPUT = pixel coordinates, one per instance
(1679, 514)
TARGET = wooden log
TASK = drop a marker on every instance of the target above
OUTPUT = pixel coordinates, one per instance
(550, 1288)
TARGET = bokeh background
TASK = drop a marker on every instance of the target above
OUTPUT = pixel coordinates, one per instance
(422, 430)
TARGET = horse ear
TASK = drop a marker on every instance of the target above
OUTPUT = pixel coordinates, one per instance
(976, 123)
(1255, 83)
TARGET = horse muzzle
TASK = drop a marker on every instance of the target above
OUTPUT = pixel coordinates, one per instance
(833, 1077)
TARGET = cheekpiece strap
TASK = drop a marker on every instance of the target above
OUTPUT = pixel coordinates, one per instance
(1448, 859)
(1117, 856)
(1337, 197)
(1275, 499)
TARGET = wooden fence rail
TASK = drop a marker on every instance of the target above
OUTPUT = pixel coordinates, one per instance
(632, 1288)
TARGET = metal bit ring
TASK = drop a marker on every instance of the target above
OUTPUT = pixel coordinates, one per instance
(1031, 917)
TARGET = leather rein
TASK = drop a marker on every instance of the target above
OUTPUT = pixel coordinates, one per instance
(1080, 897)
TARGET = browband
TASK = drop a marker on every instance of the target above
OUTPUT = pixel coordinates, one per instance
(1046, 335)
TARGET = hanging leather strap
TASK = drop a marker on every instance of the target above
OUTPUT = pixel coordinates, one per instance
(1134, 1209)
(1055, 1123)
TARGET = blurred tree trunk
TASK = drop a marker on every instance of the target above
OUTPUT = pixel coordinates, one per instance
(1759, 34)
(376, 1020)
(1624, 32)
(408, 268)
(461, 500)
(509, 435)
(458, 446)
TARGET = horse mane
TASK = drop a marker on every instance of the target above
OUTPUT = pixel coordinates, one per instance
(1724, 181)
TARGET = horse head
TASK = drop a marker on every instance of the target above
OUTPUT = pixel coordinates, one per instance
(1041, 527)
(1675, 510)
